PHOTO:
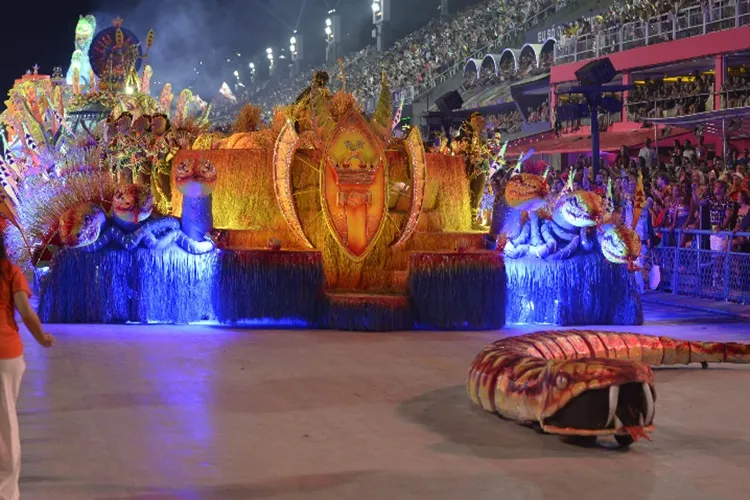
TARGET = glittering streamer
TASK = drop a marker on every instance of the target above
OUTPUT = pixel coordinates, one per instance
(582, 290)
(366, 312)
(173, 286)
(284, 150)
(44, 202)
(458, 290)
(252, 285)
(418, 163)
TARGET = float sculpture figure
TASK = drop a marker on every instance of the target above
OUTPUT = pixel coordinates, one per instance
(80, 59)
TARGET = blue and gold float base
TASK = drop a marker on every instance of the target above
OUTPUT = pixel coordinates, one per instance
(583, 290)
(445, 291)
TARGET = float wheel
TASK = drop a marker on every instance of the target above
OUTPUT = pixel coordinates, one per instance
(582, 441)
(624, 440)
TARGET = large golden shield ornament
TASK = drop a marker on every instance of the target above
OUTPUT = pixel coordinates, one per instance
(353, 172)
(353, 185)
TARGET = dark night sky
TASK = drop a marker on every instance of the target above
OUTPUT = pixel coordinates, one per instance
(190, 31)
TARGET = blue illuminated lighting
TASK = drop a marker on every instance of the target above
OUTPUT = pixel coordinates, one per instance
(268, 290)
(583, 290)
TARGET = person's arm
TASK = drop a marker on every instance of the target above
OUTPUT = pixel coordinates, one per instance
(586, 184)
(728, 220)
(30, 319)
(691, 216)
(745, 224)
(696, 200)
(673, 224)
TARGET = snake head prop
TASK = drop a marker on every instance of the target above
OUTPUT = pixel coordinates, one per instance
(81, 225)
(581, 208)
(132, 203)
(597, 397)
(196, 178)
(527, 192)
(621, 245)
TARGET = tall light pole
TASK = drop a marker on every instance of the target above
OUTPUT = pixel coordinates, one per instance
(381, 16)
(444, 8)
(333, 35)
(296, 49)
(269, 55)
(252, 72)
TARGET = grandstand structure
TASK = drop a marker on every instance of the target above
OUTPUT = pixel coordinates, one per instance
(700, 48)
(428, 76)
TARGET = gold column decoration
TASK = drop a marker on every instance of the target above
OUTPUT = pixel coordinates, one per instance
(286, 146)
(418, 167)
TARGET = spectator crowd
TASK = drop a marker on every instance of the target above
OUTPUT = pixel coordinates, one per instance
(418, 59)
(694, 189)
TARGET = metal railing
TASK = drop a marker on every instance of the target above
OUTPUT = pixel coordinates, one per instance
(699, 271)
(688, 22)
(423, 89)
(668, 111)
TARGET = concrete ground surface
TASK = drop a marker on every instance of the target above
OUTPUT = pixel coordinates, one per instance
(157, 413)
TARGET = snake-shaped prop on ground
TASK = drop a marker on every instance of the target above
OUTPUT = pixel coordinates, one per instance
(584, 383)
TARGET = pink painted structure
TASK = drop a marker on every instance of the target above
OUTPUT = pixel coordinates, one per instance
(718, 45)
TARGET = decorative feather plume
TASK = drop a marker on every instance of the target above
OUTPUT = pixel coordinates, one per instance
(609, 199)
(571, 179)
(146, 80)
(182, 104)
(397, 118)
(639, 200)
(526, 155)
(343, 74)
(11, 162)
(31, 144)
(165, 100)
(9, 184)
(58, 102)
(93, 83)
(8, 211)
(149, 39)
(517, 168)
(119, 36)
(76, 81)
(383, 117)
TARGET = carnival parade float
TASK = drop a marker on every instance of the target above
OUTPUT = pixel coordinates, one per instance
(129, 209)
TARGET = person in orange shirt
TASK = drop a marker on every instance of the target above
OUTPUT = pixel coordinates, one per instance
(14, 296)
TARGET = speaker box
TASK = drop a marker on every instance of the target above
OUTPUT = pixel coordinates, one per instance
(596, 72)
(449, 102)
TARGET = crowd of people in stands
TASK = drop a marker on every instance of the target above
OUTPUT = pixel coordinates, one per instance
(735, 92)
(538, 113)
(505, 123)
(420, 57)
(676, 189)
(677, 97)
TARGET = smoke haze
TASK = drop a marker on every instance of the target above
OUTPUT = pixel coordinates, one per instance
(193, 38)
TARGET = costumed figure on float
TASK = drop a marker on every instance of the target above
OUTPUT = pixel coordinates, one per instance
(471, 143)
(80, 67)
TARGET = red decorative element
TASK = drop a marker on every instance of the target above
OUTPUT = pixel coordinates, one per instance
(278, 258)
(194, 177)
(424, 260)
(274, 244)
(637, 432)
(133, 202)
(365, 299)
(548, 143)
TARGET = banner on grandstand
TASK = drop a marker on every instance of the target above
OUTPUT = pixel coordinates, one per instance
(541, 35)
